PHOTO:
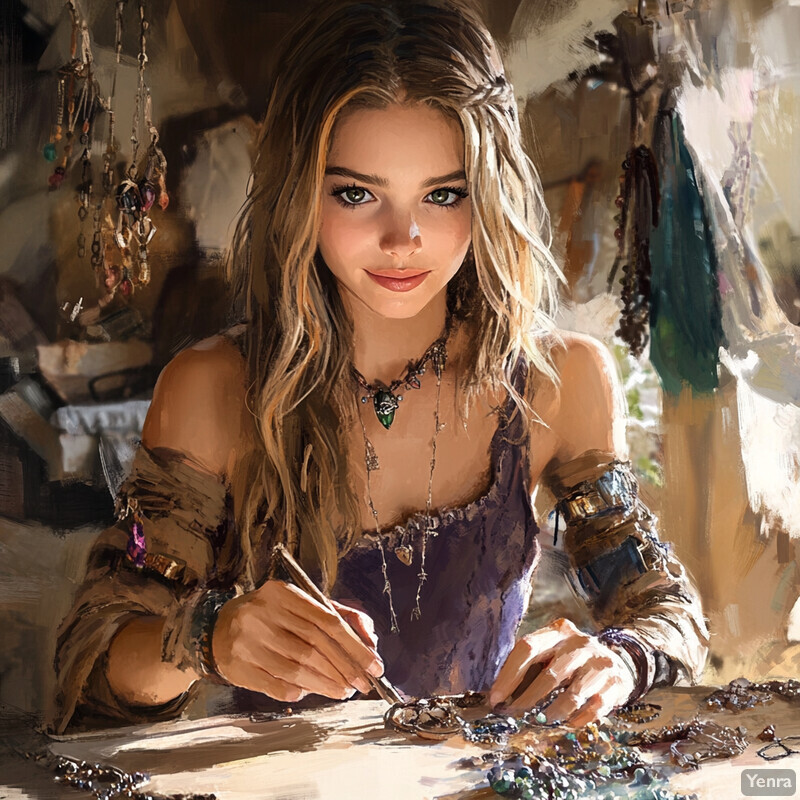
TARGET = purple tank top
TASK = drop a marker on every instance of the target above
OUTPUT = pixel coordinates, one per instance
(479, 566)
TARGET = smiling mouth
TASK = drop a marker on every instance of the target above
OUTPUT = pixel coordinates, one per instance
(399, 280)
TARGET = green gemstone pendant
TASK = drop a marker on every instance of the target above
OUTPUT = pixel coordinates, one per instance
(385, 405)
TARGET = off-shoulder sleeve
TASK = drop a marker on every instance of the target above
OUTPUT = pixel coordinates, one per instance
(181, 548)
(634, 584)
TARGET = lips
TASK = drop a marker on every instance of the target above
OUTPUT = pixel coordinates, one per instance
(399, 280)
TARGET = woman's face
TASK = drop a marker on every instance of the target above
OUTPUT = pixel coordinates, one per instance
(396, 218)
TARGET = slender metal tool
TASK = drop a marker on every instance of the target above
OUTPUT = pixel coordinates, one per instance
(280, 554)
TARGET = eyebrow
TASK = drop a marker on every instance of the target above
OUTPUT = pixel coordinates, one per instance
(377, 180)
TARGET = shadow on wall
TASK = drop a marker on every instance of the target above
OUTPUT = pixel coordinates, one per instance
(39, 576)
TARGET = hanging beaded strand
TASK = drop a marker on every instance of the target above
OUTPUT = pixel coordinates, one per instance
(65, 99)
(108, 276)
(50, 152)
(87, 110)
(142, 186)
(371, 463)
(438, 362)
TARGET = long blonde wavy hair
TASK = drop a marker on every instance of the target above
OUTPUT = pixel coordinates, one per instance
(294, 486)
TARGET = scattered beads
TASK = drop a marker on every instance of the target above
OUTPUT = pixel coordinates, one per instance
(637, 713)
(741, 694)
(767, 735)
(106, 782)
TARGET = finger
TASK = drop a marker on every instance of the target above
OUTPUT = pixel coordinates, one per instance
(267, 625)
(535, 647)
(560, 671)
(292, 647)
(329, 624)
(590, 684)
(256, 679)
(594, 708)
(513, 672)
(296, 674)
(327, 646)
(548, 637)
(360, 622)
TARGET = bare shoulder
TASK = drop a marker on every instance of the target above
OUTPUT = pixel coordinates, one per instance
(579, 357)
(199, 405)
(586, 407)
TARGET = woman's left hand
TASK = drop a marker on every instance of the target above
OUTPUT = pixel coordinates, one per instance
(596, 679)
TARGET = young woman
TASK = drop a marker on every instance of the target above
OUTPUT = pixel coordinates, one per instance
(394, 398)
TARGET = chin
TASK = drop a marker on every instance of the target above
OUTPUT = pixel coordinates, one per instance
(401, 306)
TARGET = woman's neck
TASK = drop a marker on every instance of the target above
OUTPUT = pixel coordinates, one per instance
(383, 347)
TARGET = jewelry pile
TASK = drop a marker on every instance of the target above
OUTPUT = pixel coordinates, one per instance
(109, 783)
(693, 742)
(105, 782)
(741, 694)
(540, 759)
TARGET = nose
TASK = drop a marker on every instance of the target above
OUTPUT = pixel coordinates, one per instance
(401, 237)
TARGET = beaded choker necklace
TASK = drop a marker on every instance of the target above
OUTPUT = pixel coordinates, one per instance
(385, 403)
(383, 397)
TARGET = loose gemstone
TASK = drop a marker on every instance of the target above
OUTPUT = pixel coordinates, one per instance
(504, 782)
(137, 548)
(526, 773)
(50, 151)
(148, 195)
(57, 178)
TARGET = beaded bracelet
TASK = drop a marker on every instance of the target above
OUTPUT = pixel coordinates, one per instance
(201, 631)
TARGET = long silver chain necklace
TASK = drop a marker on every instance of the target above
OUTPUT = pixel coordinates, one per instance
(385, 403)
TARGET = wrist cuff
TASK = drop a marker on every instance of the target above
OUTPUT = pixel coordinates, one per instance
(632, 649)
(201, 630)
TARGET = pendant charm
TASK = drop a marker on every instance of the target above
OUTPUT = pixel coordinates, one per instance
(370, 456)
(385, 405)
(137, 546)
(404, 554)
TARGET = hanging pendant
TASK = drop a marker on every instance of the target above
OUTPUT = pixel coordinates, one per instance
(385, 406)
(370, 456)
(404, 554)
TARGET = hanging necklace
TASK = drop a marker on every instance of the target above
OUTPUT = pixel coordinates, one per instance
(437, 355)
(383, 397)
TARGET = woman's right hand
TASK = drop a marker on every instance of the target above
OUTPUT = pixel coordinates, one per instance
(279, 641)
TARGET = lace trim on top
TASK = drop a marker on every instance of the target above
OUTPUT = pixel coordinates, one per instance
(419, 521)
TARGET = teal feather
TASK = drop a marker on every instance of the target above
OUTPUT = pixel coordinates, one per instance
(685, 309)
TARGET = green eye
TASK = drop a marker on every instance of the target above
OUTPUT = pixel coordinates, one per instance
(351, 196)
(355, 195)
(448, 196)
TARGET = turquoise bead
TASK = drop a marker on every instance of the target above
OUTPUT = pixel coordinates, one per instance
(525, 773)
(49, 152)
(504, 782)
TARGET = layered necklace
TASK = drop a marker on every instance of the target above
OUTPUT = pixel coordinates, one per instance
(385, 403)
